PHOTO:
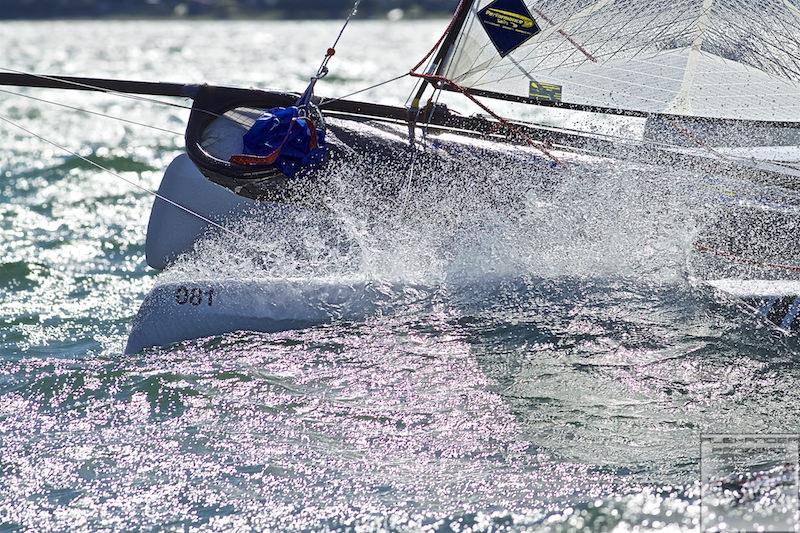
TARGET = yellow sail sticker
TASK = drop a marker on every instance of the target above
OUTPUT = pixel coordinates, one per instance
(545, 91)
(510, 20)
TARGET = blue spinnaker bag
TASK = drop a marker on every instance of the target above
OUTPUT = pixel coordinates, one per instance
(282, 138)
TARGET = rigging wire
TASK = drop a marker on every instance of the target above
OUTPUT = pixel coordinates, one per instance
(101, 89)
(122, 178)
(461, 5)
(323, 69)
(91, 112)
(442, 81)
(121, 94)
(437, 94)
(320, 73)
(326, 101)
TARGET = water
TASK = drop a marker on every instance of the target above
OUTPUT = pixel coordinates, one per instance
(544, 367)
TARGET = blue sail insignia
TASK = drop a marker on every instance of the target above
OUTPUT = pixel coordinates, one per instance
(509, 24)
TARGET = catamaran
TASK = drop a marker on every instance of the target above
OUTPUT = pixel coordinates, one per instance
(711, 86)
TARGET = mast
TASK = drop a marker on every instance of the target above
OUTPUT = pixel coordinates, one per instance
(447, 43)
(459, 19)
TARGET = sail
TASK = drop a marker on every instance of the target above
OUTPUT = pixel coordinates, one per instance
(728, 59)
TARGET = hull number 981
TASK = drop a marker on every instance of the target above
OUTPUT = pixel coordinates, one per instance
(194, 296)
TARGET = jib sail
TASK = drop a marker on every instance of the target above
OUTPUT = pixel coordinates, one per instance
(725, 59)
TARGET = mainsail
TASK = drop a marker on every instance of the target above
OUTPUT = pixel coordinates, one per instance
(724, 59)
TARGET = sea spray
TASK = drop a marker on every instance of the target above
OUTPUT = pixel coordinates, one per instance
(471, 218)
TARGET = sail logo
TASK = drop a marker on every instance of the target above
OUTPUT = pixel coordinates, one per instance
(509, 19)
(509, 24)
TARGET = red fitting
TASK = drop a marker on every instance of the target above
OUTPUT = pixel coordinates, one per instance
(331, 52)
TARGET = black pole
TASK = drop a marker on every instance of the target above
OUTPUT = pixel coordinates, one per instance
(98, 85)
(459, 18)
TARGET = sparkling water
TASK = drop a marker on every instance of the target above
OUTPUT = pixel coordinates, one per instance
(541, 361)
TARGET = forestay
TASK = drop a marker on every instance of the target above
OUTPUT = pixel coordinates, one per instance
(727, 59)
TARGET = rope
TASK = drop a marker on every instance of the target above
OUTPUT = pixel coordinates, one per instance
(693, 138)
(436, 46)
(450, 83)
(565, 35)
(508, 125)
(120, 177)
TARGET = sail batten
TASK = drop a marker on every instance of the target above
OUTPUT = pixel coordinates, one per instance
(722, 59)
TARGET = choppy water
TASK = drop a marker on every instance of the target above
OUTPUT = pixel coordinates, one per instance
(549, 367)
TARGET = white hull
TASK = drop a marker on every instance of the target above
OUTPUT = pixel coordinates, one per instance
(192, 309)
(182, 311)
(173, 231)
(176, 312)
